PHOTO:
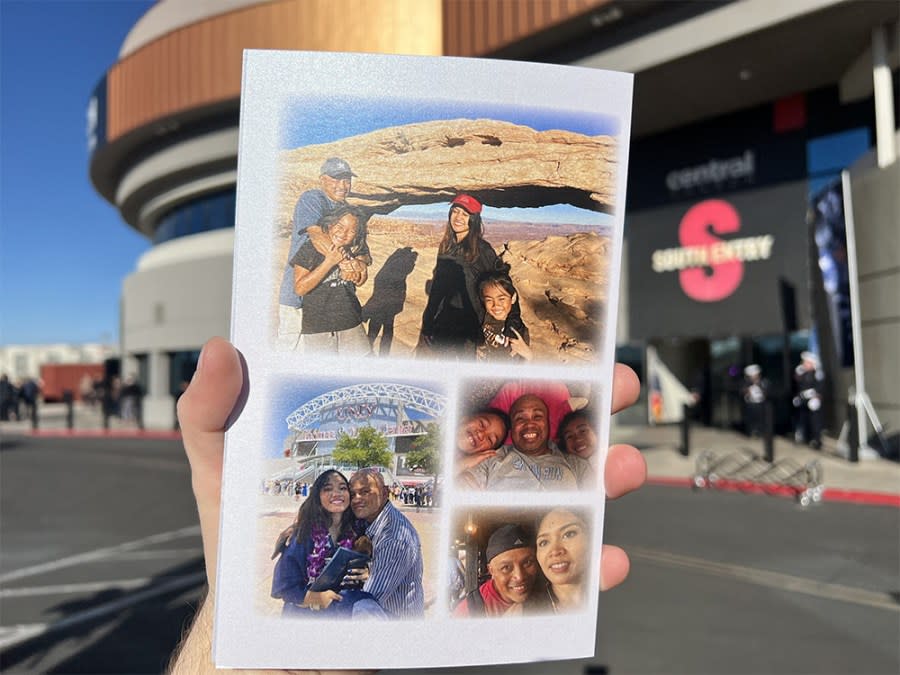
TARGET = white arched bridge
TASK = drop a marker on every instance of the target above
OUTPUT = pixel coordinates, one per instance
(383, 405)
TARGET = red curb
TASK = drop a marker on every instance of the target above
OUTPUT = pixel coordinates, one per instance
(860, 497)
(828, 494)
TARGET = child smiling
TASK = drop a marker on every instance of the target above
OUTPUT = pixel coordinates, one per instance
(505, 334)
(332, 315)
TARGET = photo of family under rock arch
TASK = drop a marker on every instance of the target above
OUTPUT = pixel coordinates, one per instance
(441, 230)
(520, 562)
(527, 435)
(349, 501)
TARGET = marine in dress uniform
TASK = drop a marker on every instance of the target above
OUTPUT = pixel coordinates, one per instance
(809, 380)
(755, 392)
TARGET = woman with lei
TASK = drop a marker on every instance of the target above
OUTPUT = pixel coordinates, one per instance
(453, 316)
(324, 523)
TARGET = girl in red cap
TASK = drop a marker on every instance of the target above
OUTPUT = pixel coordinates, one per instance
(454, 313)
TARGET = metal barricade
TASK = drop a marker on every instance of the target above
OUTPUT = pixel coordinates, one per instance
(747, 471)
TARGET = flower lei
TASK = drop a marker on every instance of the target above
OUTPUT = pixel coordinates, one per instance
(315, 561)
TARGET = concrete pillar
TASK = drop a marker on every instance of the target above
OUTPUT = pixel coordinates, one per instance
(159, 406)
(885, 137)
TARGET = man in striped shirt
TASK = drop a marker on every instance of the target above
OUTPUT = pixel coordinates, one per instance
(396, 576)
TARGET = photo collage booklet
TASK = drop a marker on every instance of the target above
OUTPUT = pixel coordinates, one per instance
(426, 275)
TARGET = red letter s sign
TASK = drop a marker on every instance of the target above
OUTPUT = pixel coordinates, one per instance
(694, 230)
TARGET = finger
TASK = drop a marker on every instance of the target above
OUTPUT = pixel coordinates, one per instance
(518, 335)
(625, 470)
(626, 387)
(204, 411)
(614, 567)
(206, 406)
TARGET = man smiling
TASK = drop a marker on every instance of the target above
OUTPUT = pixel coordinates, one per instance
(396, 576)
(532, 461)
(335, 180)
(513, 568)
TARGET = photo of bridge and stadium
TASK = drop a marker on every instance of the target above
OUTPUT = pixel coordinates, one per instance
(316, 425)
(320, 420)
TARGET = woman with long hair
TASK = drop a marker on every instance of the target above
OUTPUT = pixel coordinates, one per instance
(323, 524)
(563, 553)
(453, 316)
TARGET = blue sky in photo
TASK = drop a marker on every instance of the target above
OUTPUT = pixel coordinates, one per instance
(64, 251)
(289, 393)
(312, 121)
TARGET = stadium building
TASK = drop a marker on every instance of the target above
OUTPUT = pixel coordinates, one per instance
(745, 113)
(398, 412)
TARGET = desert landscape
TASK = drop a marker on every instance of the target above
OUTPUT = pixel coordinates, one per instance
(560, 272)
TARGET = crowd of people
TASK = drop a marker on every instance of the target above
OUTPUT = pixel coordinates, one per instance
(421, 495)
(18, 398)
(472, 309)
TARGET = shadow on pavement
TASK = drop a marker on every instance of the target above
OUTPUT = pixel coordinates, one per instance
(136, 639)
(9, 443)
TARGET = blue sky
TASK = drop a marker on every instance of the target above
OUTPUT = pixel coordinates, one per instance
(64, 251)
(323, 120)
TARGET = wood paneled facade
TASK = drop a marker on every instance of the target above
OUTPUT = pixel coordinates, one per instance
(479, 27)
(200, 64)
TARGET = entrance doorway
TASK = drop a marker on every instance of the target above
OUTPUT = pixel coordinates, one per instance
(713, 369)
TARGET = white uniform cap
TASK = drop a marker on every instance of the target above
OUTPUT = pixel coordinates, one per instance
(809, 356)
(752, 370)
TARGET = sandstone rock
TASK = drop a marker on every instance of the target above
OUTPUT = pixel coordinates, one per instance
(500, 163)
(566, 329)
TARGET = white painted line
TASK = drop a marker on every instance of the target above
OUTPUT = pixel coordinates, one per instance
(69, 589)
(100, 553)
(11, 636)
(160, 553)
(781, 582)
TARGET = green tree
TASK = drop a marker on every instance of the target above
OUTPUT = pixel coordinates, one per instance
(425, 453)
(367, 448)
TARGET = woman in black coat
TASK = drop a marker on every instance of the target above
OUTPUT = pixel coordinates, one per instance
(453, 316)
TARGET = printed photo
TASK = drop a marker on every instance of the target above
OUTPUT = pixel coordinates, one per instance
(349, 503)
(529, 435)
(441, 230)
(525, 562)
(407, 228)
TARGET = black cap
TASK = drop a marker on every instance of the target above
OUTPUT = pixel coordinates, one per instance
(505, 538)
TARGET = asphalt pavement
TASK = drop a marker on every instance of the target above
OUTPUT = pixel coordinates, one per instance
(101, 565)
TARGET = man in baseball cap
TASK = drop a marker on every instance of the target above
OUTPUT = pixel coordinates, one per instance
(513, 568)
(337, 168)
(335, 180)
